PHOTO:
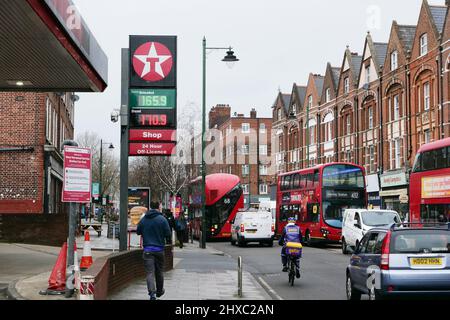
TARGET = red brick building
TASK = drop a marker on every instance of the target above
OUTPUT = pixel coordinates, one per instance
(377, 109)
(32, 129)
(241, 146)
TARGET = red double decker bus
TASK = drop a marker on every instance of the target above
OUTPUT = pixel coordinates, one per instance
(317, 198)
(430, 184)
(224, 198)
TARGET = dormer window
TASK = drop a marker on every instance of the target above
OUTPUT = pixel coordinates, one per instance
(294, 109)
(346, 85)
(424, 44)
(328, 95)
(310, 102)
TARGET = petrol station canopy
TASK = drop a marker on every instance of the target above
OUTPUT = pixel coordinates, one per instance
(45, 45)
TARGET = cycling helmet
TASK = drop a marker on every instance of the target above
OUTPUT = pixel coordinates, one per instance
(292, 220)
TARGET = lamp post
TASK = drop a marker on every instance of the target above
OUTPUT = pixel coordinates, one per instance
(111, 147)
(230, 58)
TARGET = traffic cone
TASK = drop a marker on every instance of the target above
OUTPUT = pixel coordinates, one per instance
(86, 259)
(57, 280)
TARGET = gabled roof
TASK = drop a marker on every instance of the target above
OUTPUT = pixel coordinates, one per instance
(319, 81)
(380, 53)
(336, 72)
(286, 101)
(406, 35)
(301, 91)
(356, 64)
(439, 13)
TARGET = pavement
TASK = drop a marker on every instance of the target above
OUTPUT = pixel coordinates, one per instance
(199, 274)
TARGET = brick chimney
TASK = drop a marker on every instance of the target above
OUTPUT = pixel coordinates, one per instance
(218, 115)
(253, 114)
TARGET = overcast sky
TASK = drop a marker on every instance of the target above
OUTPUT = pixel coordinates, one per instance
(278, 43)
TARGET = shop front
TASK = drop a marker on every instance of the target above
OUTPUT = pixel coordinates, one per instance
(394, 193)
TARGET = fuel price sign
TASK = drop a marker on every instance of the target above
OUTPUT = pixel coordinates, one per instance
(153, 99)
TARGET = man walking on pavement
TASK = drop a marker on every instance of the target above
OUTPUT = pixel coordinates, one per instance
(155, 231)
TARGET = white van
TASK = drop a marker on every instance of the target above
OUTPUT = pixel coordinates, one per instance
(356, 223)
(253, 226)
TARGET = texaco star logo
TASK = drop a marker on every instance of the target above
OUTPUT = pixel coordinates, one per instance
(152, 61)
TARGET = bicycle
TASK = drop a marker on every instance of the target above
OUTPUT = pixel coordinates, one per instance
(293, 252)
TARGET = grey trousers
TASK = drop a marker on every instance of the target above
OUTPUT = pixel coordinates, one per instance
(154, 267)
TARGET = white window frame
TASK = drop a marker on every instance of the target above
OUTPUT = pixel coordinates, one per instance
(372, 158)
(396, 100)
(310, 101)
(245, 188)
(427, 136)
(262, 128)
(348, 129)
(246, 128)
(426, 96)
(424, 44)
(280, 114)
(263, 189)
(367, 74)
(245, 149)
(346, 85)
(328, 95)
(264, 170)
(245, 170)
(294, 109)
(397, 153)
(370, 117)
(312, 135)
(394, 60)
(263, 150)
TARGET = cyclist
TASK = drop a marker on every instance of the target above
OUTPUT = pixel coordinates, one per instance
(291, 233)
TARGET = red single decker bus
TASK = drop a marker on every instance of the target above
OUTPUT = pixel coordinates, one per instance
(430, 184)
(224, 198)
(317, 198)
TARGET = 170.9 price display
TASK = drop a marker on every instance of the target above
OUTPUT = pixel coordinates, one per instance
(152, 118)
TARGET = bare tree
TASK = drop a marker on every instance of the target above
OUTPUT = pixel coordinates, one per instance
(110, 173)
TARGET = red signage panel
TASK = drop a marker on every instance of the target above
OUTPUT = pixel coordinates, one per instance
(153, 149)
(77, 175)
(153, 135)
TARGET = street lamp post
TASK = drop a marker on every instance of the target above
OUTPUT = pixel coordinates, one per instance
(111, 147)
(229, 58)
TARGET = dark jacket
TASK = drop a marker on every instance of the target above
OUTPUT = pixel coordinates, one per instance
(154, 228)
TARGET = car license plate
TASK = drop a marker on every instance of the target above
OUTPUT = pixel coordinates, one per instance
(250, 231)
(294, 251)
(426, 261)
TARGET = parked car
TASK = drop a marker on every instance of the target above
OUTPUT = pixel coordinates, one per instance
(356, 223)
(401, 261)
(253, 226)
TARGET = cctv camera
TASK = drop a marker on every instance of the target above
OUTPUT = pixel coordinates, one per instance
(114, 116)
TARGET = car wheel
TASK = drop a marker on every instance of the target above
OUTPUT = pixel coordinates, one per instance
(241, 242)
(352, 293)
(344, 246)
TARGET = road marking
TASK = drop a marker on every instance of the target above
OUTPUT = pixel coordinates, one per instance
(268, 288)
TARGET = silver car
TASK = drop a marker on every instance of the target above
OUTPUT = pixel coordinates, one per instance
(401, 261)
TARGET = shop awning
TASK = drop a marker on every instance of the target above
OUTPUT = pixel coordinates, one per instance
(45, 45)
